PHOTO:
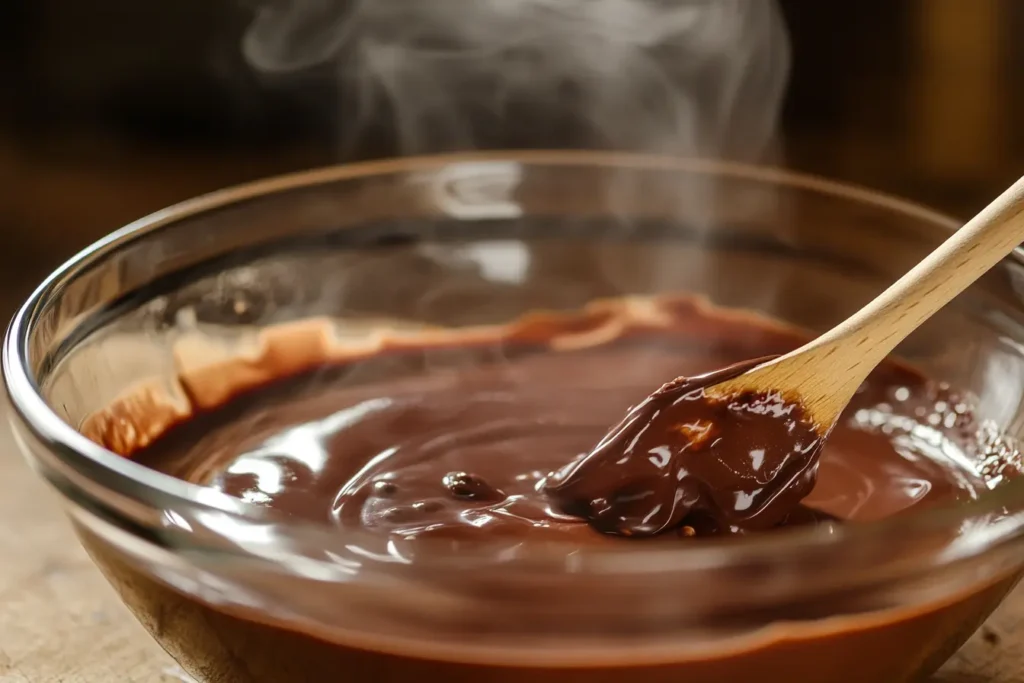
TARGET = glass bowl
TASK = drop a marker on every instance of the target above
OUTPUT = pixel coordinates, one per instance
(236, 593)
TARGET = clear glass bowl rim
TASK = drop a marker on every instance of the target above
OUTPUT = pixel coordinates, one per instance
(137, 482)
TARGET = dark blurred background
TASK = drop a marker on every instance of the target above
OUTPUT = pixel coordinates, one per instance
(110, 109)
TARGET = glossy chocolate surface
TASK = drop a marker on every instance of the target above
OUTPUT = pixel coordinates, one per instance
(467, 442)
(470, 437)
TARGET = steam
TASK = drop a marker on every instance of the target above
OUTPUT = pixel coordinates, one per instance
(684, 77)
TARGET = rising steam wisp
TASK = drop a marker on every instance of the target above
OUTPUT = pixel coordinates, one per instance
(693, 77)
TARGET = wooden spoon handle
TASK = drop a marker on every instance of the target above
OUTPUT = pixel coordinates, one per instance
(827, 371)
(874, 331)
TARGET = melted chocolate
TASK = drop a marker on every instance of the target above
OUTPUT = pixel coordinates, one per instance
(458, 440)
(682, 458)
(461, 443)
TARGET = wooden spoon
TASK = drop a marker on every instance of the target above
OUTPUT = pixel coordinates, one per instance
(737, 450)
(824, 374)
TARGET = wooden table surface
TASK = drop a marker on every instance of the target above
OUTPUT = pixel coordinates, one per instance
(61, 622)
